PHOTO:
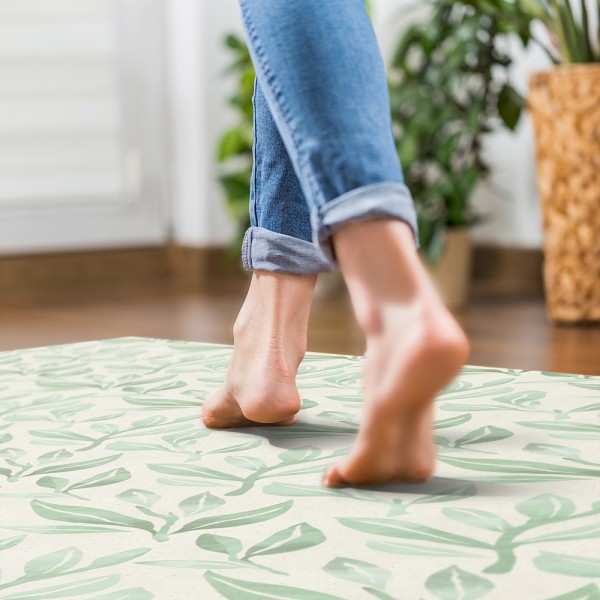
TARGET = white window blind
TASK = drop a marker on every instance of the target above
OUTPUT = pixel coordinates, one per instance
(81, 141)
(59, 101)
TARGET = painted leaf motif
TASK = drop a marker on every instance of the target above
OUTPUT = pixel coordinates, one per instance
(195, 564)
(411, 531)
(92, 516)
(239, 518)
(239, 447)
(577, 566)
(128, 594)
(219, 543)
(54, 483)
(10, 542)
(77, 466)
(64, 529)
(489, 433)
(139, 497)
(358, 570)
(251, 463)
(416, 550)
(587, 592)
(552, 450)
(52, 456)
(546, 506)
(291, 489)
(238, 589)
(455, 584)
(106, 428)
(299, 455)
(149, 422)
(68, 589)
(193, 471)
(290, 539)
(477, 518)
(200, 503)
(63, 437)
(578, 533)
(53, 563)
(116, 559)
(452, 421)
(497, 465)
(107, 478)
(568, 426)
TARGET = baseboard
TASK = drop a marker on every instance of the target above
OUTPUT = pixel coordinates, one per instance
(497, 271)
(507, 272)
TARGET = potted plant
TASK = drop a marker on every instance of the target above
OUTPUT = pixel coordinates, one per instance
(449, 87)
(565, 108)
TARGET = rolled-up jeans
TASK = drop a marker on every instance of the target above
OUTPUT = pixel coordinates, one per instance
(324, 152)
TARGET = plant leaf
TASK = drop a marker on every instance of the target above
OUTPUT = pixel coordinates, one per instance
(107, 478)
(546, 507)
(477, 518)
(200, 503)
(246, 462)
(139, 497)
(296, 537)
(53, 563)
(219, 543)
(116, 559)
(76, 466)
(67, 589)
(91, 516)
(455, 584)
(238, 589)
(10, 542)
(564, 564)
(239, 518)
(489, 433)
(358, 570)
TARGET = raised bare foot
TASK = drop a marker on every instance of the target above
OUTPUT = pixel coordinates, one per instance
(414, 348)
(269, 345)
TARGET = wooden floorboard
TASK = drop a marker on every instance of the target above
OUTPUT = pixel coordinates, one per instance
(503, 333)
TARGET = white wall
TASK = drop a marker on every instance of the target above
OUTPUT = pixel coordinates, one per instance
(199, 115)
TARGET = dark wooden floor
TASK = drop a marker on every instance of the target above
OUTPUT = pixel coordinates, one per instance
(502, 333)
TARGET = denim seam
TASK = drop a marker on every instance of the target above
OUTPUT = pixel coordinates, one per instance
(277, 98)
(254, 183)
(246, 253)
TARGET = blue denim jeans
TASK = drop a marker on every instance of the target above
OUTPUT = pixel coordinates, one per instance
(324, 153)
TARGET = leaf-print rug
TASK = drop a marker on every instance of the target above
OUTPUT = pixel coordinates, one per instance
(113, 490)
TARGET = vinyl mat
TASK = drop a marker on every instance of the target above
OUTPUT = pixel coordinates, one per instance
(113, 490)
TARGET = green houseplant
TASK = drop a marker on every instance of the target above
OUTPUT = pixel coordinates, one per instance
(448, 88)
(565, 108)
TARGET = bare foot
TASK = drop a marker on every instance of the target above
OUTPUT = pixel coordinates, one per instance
(414, 348)
(269, 345)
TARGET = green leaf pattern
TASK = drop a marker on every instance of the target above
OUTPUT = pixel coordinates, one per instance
(112, 488)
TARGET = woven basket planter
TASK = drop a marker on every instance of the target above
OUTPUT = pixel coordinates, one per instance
(565, 107)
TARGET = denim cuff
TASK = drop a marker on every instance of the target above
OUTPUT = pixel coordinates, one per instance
(378, 200)
(265, 250)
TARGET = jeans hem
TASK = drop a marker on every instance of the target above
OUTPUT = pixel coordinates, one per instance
(388, 200)
(266, 250)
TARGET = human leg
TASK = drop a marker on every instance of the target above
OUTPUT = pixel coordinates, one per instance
(324, 82)
(270, 330)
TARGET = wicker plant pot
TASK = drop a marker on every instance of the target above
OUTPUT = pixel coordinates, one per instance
(565, 107)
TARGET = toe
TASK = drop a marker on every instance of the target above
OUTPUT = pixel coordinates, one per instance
(333, 478)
